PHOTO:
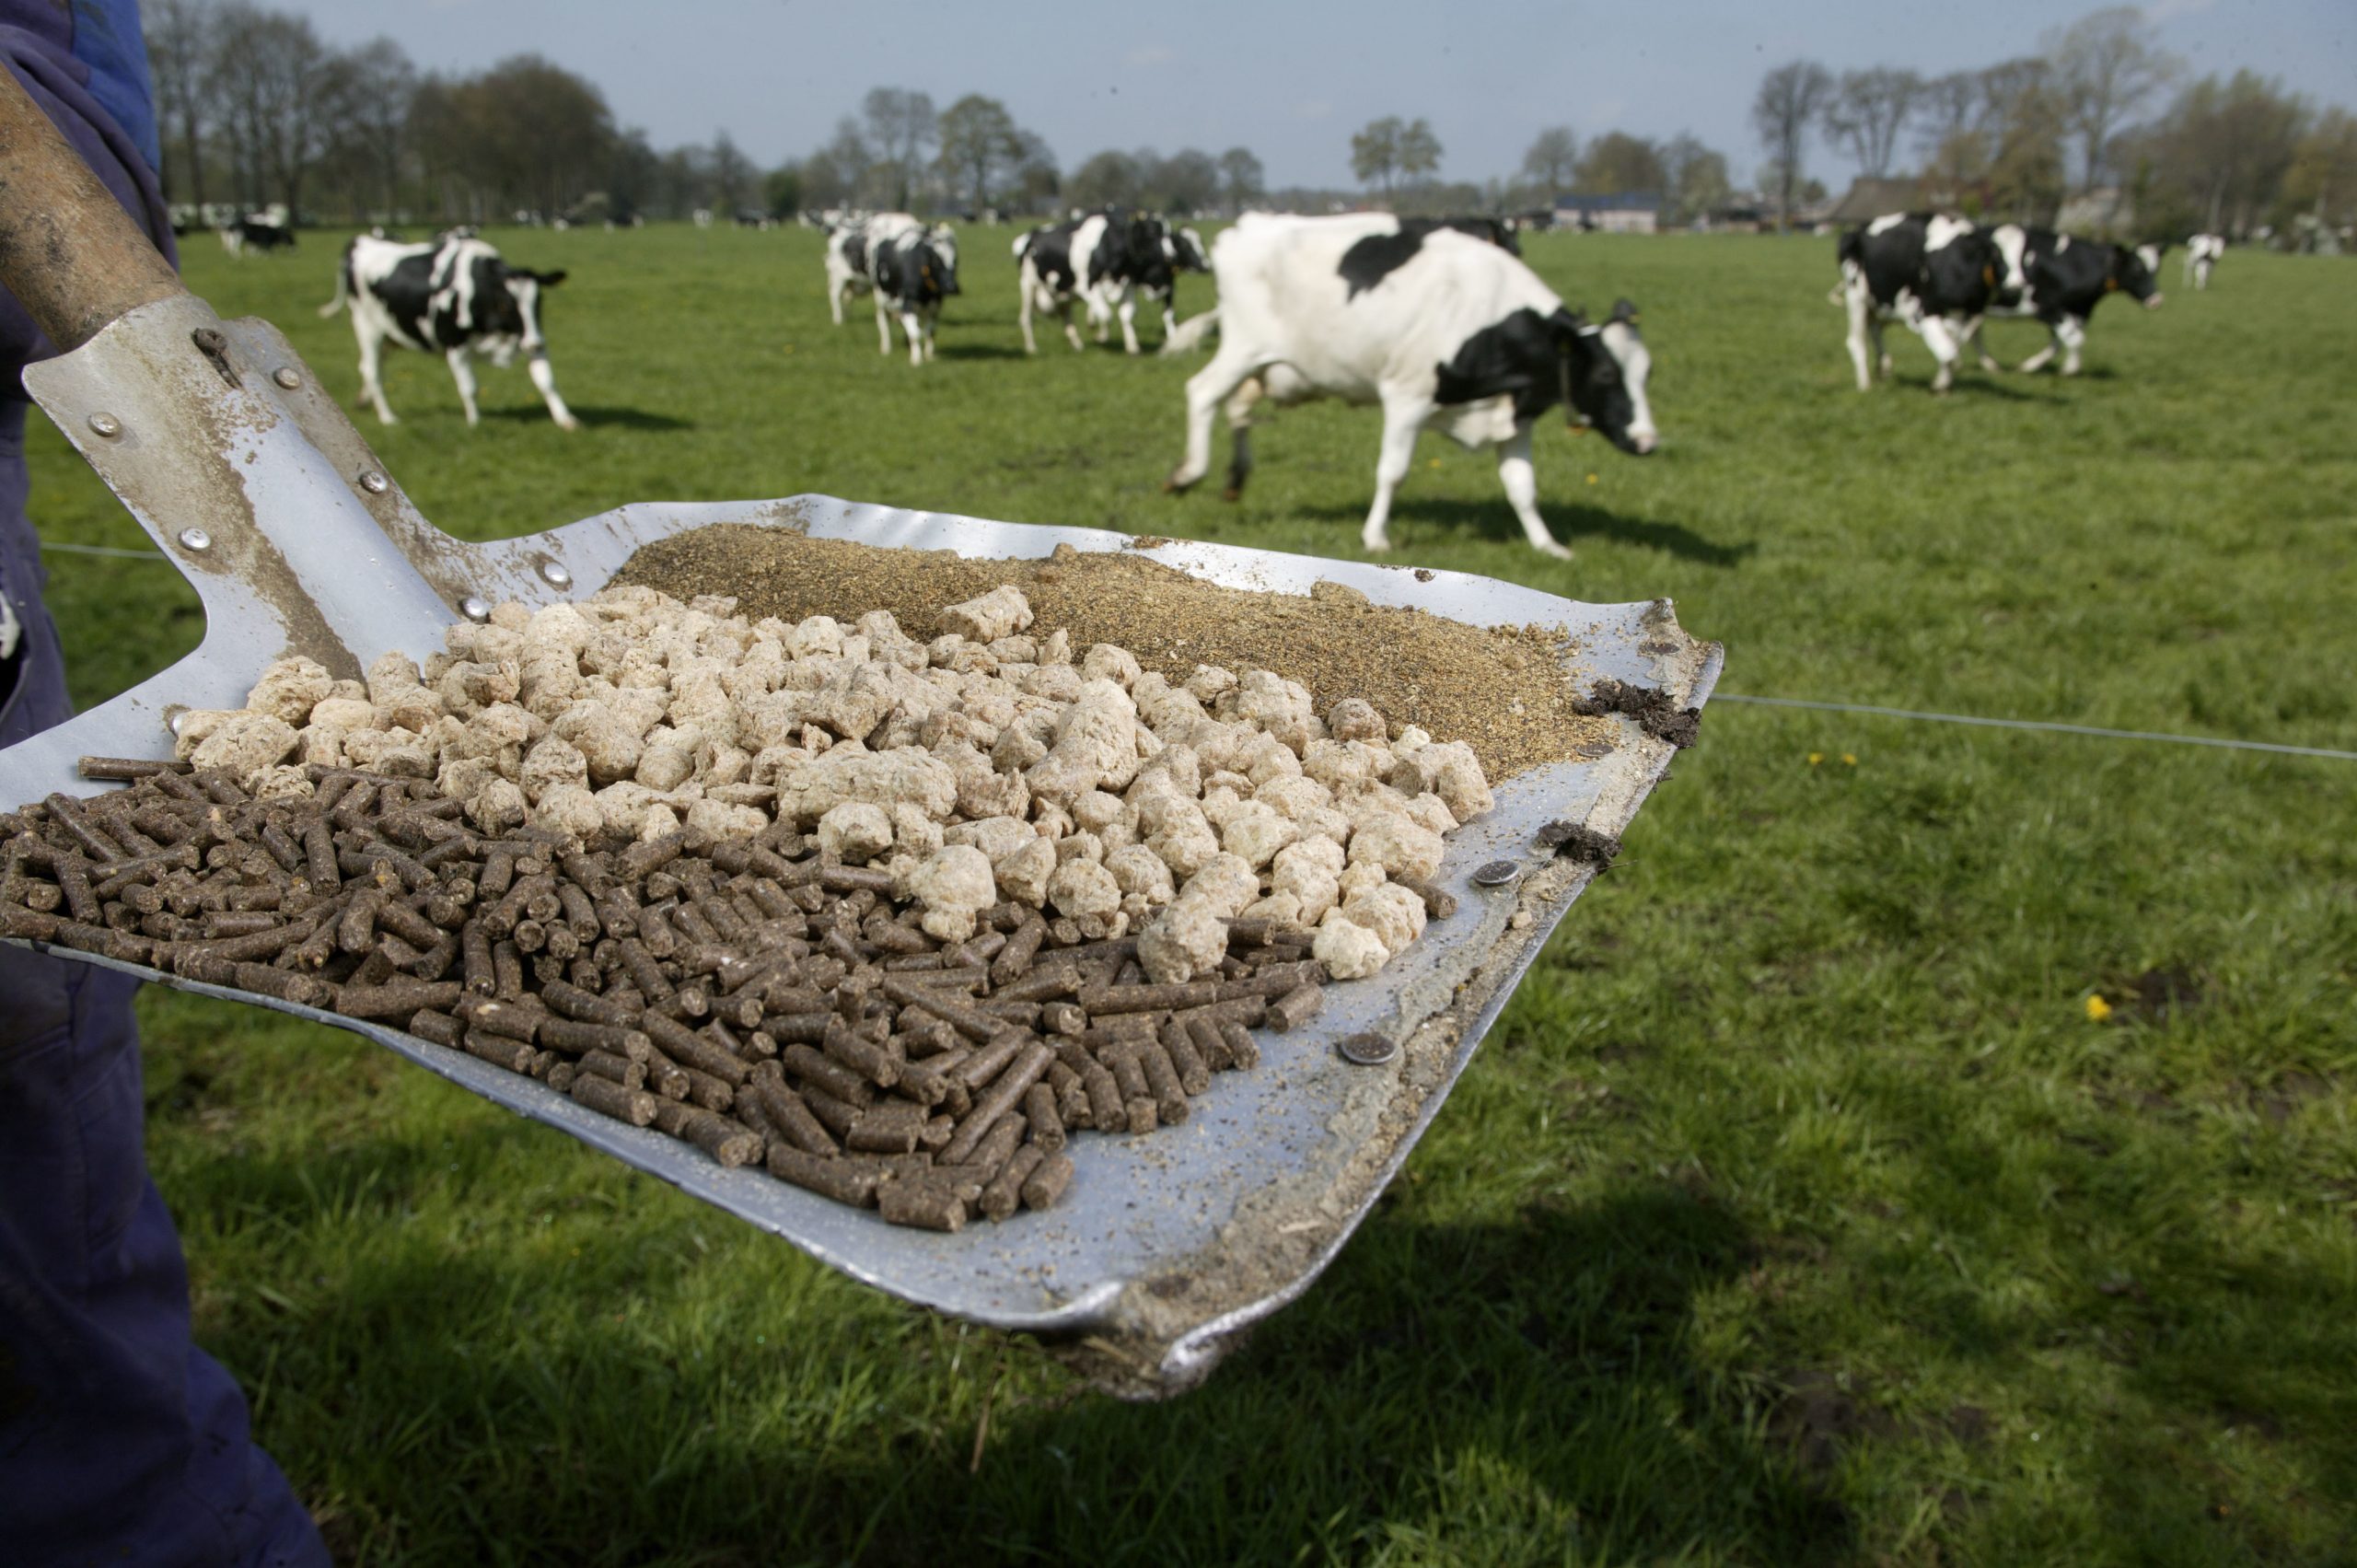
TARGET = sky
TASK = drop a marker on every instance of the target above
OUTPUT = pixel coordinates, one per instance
(1291, 79)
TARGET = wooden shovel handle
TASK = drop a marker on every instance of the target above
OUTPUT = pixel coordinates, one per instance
(68, 252)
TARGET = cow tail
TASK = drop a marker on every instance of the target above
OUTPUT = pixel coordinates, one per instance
(1022, 244)
(1851, 250)
(1189, 335)
(343, 285)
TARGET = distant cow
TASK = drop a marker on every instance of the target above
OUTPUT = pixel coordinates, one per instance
(272, 228)
(913, 272)
(1104, 259)
(1444, 331)
(455, 294)
(2202, 253)
(2060, 281)
(1933, 270)
(852, 234)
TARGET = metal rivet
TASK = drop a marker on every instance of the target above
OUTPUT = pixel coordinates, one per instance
(557, 576)
(179, 721)
(1496, 873)
(474, 609)
(286, 376)
(196, 538)
(106, 425)
(375, 483)
(1368, 1049)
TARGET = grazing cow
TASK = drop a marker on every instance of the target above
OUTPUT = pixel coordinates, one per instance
(1104, 259)
(455, 294)
(1444, 331)
(2061, 280)
(2202, 253)
(851, 237)
(753, 218)
(1933, 270)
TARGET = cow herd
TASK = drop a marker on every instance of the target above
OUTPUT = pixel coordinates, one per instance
(1435, 321)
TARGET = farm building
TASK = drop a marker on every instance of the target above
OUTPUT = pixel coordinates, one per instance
(1634, 211)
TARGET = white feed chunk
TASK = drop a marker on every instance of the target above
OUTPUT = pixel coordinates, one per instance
(987, 765)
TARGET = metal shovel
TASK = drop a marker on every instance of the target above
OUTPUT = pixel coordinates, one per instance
(232, 457)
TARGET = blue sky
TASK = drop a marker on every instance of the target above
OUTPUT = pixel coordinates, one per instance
(1290, 80)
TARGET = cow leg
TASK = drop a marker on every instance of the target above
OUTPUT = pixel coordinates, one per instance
(835, 291)
(1022, 316)
(1206, 389)
(1128, 311)
(1972, 336)
(544, 377)
(1072, 334)
(1522, 491)
(2072, 331)
(1403, 421)
(1239, 432)
(372, 390)
(462, 371)
(912, 329)
(883, 324)
(1860, 310)
(1940, 338)
(2044, 356)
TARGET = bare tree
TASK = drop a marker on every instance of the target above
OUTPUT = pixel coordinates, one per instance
(1375, 151)
(733, 174)
(900, 125)
(180, 42)
(1867, 110)
(1241, 178)
(1790, 97)
(2106, 65)
(278, 95)
(1552, 159)
(379, 92)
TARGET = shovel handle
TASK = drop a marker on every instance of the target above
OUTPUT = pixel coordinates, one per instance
(68, 252)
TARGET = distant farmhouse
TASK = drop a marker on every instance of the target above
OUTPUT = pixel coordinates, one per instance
(1636, 211)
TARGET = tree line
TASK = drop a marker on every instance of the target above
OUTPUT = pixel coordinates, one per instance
(2233, 156)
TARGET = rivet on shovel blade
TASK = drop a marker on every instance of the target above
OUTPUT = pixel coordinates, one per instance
(106, 425)
(285, 377)
(555, 574)
(474, 609)
(1368, 1049)
(196, 538)
(375, 483)
(1495, 874)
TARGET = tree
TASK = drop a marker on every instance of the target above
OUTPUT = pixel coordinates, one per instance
(1617, 164)
(1111, 179)
(782, 190)
(900, 125)
(2322, 179)
(2224, 151)
(2022, 127)
(1790, 97)
(1550, 162)
(2106, 65)
(1186, 182)
(1241, 178)
(1696, 177)
(378, 94)
(1037, 180)
(1867, 110)
(1418, 150)
(279, 96)
(732, 174)
(980, 142)
(1375, 151)
(179, 42)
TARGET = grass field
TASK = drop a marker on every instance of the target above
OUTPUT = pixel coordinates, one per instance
(1798, 1211)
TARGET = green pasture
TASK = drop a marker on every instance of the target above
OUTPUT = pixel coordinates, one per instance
(1799, 1210)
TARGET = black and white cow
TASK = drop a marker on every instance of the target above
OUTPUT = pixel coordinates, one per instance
(1445, 332)
(911, 273)
(1104, 259)
(2060, 279)
(860, 250)
(272, 228)
(2202, 253)
(457, 295)
(1935, 271)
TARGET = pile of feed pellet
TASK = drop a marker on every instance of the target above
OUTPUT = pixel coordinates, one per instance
(891, 918)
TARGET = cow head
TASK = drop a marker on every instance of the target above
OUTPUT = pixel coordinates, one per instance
(1604, 371)
(934, 271)
(2134, 273)
(508, 310)
(943, 240)
(1185, 248)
